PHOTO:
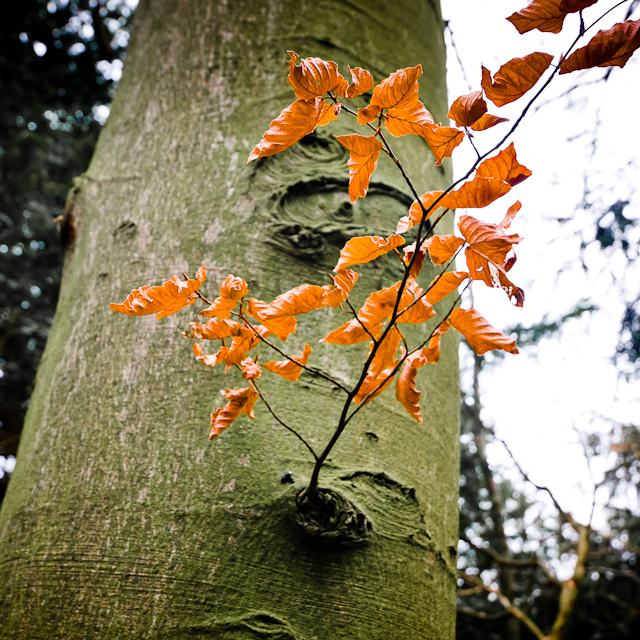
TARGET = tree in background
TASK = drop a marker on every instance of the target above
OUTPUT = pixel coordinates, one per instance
(57, 61)
(509, 538)
(511, 546)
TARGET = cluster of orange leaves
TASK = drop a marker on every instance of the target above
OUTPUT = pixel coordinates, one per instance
(394, 103)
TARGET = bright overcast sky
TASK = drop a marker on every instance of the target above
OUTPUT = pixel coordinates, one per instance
(536, 399)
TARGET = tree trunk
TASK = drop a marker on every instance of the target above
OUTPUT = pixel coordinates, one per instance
(122, 520)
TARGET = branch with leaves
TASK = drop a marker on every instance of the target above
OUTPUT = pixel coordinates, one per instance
(322, 96)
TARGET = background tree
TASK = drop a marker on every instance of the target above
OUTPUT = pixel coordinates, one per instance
(512, 547)
(510, 535)
(137, 527)
(57, 64)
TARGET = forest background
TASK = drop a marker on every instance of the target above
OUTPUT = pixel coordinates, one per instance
(567, 413)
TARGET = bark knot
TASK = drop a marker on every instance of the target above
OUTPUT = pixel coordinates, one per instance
(331, 518)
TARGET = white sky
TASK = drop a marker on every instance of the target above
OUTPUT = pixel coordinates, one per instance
(536, 399)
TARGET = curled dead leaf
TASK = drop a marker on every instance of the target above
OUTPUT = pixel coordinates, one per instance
(480, 335)
(288, 368)
(173, 295)
(363, 158)
(364, 249)
(514, 78)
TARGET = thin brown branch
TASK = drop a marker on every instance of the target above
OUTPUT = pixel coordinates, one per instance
(432, 284)
(203, 298)
(362, 324)
(282, 422)
(403, 358)
(501, 559)
(481, 614)
(567, 516)
(311, 370)
(509, 607)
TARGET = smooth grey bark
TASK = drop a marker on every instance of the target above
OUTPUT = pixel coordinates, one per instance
(122, 520)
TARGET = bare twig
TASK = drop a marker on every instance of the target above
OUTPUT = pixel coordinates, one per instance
(284, 424)
(567, 516)
(362, 324)
(481, 614)
(510, 608)
(203, 298)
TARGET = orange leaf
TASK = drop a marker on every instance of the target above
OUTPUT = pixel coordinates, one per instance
(416, 211)
(492, 274)
(220, 308)
(544, 15)
(399, 90)
(432, 351)
(610, 48)
(240, 401)
(296, 121)
(371, 384)
(416, 267)
(363, 249)
(385, 355)
(210, 360)
(173, 295)
(571, 6)
(380, 304)
(476, 193)
(487, 255)
(376, 308)
(406, 393)
(215, 329)
(247, 409)
(480, 335)
(478, 232)
(415, 308)
(342, 284)
(301, 299)
(288, 368)
(231, 290)
(487, 121)
(250, 369)
(418, 313)
(282, 326)
(241, 344)
(351, 333)
(442, 248)
(444, 285)
(313, 77)
(363, 157)
(504, 166)
(442, 141)
(414, 119)
(510, 215)
(514, 78)
(361, 82)
(468, 109)
(368, 114)
(329, 113)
